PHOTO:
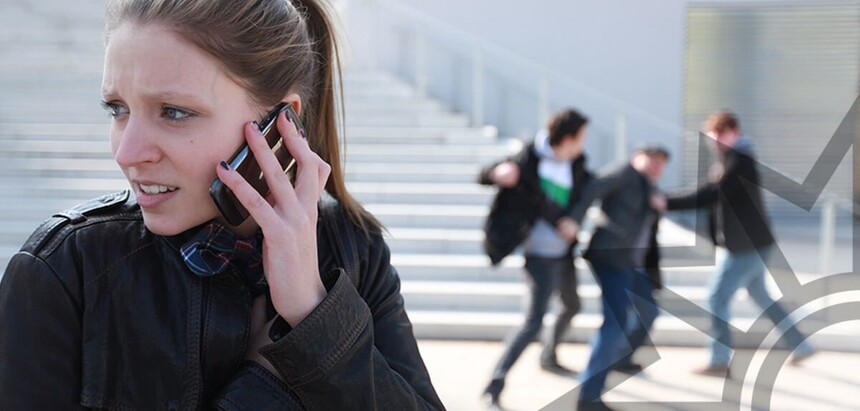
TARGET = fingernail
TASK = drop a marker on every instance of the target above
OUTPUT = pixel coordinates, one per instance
(289, 120)
(225, 166)
(256, 123)
(302, 133)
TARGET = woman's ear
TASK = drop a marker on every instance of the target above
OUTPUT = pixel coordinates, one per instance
(294, 100)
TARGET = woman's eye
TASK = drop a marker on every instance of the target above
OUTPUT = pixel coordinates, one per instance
(114, 109)
(175, 114)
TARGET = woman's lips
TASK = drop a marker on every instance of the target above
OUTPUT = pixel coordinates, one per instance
(153, 194)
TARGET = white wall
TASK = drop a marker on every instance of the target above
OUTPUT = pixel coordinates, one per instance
(629, 55)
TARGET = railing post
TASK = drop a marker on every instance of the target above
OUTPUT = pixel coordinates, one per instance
(421, 78)
(542, 102)
(478, 88)
(828, 236)
(621, 137)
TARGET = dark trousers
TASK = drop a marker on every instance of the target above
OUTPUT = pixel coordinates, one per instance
(639, 324)
(610, 343)
(544, 277)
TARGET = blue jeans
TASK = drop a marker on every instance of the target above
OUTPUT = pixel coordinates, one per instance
(639, 324)
(545, 277)
(735, 270)
(610, 343)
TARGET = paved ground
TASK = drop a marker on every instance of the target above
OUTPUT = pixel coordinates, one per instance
(826, 381)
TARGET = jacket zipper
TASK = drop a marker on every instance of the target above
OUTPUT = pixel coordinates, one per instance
(201, 358)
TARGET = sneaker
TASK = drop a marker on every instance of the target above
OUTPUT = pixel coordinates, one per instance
(556, 368)
(628, 368)
(800, 356)
(491, 401)
(720, 370)
(583, 405)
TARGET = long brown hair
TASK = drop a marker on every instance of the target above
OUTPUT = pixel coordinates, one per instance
(270, 47)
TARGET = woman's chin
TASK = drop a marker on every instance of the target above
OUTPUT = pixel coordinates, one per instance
(168, 226)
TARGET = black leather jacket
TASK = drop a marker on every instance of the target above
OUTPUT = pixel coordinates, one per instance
(738, 219)
(97, 312)
(515, 210)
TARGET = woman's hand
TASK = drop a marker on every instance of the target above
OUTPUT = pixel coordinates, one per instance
(288, 218)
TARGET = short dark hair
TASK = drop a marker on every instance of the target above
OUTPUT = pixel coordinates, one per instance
(563, 123)
(722, 120)
(653, 149)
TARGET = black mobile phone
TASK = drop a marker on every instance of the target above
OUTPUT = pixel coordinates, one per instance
(244, 162)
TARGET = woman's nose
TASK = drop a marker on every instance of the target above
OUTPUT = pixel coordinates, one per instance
(135, 144)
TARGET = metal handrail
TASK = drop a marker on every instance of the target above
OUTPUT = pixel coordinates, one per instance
(543, 73)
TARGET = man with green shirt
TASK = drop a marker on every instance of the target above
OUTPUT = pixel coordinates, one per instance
(536, 190)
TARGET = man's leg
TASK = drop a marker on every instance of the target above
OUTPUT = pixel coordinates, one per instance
(759, 294)
(609, 342)
(640, 322)
(541, 285)
(567, 289)
(723, 285)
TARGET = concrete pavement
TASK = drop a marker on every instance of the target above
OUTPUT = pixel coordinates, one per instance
(827, 381)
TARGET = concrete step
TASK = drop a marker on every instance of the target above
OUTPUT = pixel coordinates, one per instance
(513, 297)
(410, 172)
(51, 132)
(416, 111)
(464, 241)
(475, 268)
(406, 135)
(35, 168)
(425, 193)
(421, 120)
(86, 149)
(64, 188)
(436, 155)
(357, 105)
(418, 215)
(668, 330)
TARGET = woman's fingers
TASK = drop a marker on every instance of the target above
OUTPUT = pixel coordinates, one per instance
(311, 174)
(257, 206)
(310, 167)
(278, 181)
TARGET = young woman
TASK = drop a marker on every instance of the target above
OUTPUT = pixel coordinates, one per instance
(153, 301)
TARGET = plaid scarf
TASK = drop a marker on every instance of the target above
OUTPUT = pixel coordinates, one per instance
(215, 247)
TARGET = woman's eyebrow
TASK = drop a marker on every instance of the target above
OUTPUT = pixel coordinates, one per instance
(166, 95)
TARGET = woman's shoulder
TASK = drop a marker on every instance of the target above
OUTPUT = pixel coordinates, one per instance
(86, 235)
(93, 215)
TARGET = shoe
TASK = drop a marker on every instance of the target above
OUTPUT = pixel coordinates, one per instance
(556, 368)
(628, 368)
(800, 356)
(491, 401)
(583, 405)
(713, 371)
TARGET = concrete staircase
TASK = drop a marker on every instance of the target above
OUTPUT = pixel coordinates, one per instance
(413, 164)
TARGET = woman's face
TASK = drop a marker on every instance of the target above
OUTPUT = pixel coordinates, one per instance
(175, 117)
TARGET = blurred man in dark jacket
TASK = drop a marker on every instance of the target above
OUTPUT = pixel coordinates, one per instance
(618, 253)
(537, 187)
(740, 229)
